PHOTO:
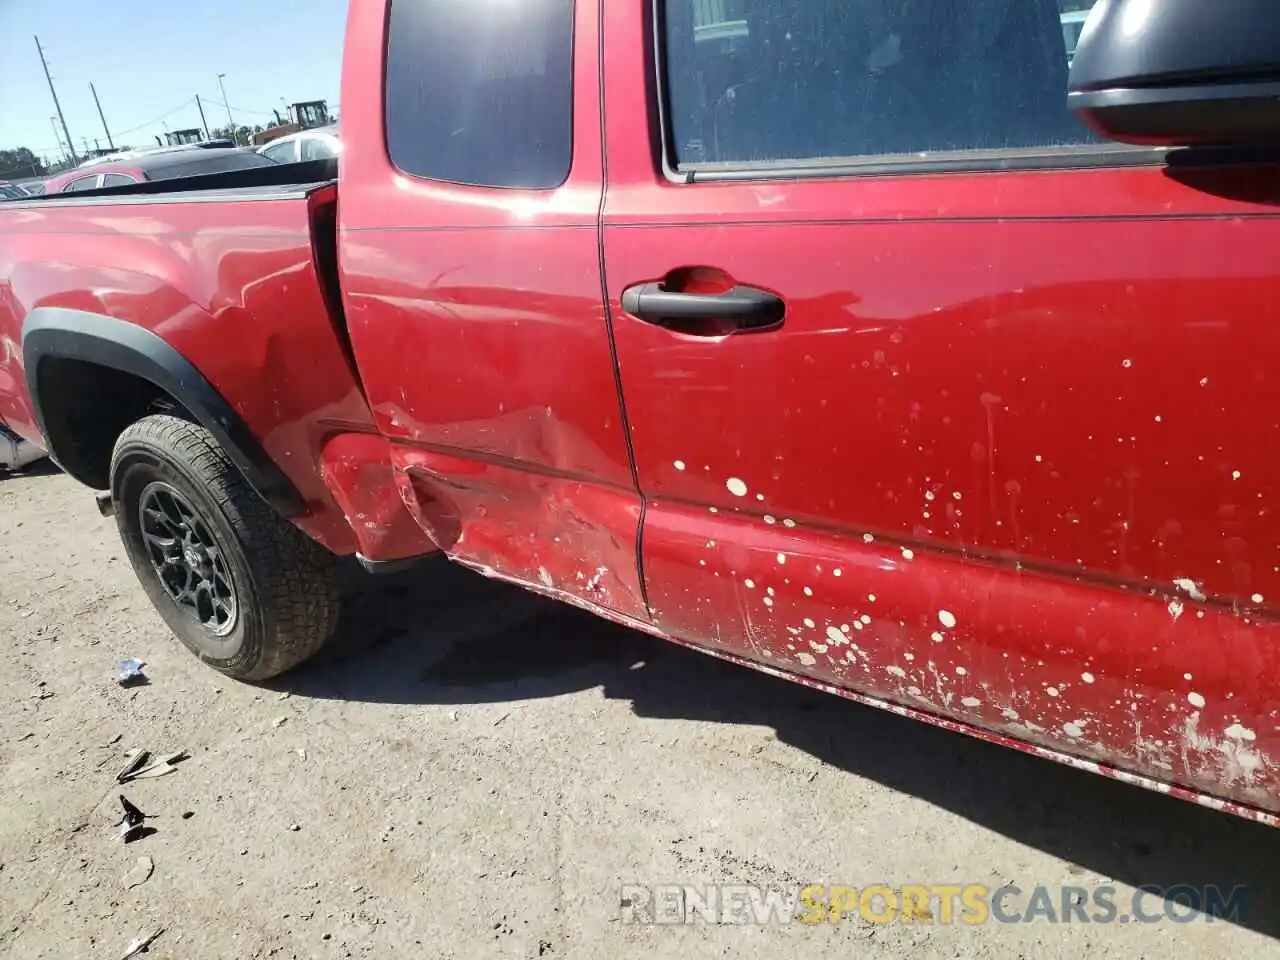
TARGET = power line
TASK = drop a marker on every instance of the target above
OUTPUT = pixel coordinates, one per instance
(163, 116)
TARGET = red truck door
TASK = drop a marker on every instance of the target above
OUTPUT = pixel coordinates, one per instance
(1002, 457)
(469, 246)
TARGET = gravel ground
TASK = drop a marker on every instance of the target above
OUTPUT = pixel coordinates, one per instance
(471, 771)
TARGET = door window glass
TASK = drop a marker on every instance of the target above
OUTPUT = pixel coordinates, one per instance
(481, 91)
(779, 80)
(313, 148)
(281, 152)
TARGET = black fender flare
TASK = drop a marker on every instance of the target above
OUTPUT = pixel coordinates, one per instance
(63, 333)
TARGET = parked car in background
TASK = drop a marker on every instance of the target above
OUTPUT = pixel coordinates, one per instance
(320, 143)
(150, 151)
(11, 191)
(168, 165)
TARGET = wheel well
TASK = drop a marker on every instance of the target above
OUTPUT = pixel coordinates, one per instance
(86, 408)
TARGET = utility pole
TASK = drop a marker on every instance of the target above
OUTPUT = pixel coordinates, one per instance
(227, 103)
(57, 137)
(66, 133)
(203, 122)
(110, 142)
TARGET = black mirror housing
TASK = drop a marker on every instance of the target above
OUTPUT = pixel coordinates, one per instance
(1180, 72)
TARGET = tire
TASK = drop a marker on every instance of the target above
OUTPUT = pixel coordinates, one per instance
(265, 597)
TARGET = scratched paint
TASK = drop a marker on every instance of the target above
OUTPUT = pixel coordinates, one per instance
(996, 649)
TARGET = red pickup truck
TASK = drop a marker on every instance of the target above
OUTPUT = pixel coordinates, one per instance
(851, 341)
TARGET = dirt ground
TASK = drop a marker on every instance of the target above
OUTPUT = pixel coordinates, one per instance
(471, 771)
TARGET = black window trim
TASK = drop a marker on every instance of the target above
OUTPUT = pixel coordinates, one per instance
(573, 105)
(1083, 156)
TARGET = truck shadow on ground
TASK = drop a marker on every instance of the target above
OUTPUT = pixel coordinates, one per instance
(442, 635)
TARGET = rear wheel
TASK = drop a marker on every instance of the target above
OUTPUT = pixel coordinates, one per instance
(243, 589)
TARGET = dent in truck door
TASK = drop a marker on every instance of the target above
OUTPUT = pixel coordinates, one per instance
(1004, 462)
(471, 282)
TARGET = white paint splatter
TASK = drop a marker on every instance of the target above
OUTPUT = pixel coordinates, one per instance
(806, 659)
(736, 487)
(679, 464)
(1009, 713)
(1256, 598)
(782, 558)
(961, 671)
(1175, 608)
(895, 671)
(808, 622)
(834, 634)
(1073, 730)
(1087, 677)
(947, 618)
(835, 572)
(844, 627)
(749, 583)
(871, 597)
(1126, 363)
(808, 591)
(760, 497)
(768, 601)
(1190, 588)
(1237, 732)
(770, 520)
(907, 553)
(1196, 700)
(868, 538)
(971, 702)
(545, 576)
(788, 523)
(1051, 691)
(1235, 474)
(936, 637)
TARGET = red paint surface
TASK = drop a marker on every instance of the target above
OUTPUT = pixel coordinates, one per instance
(1004, 414)
(1044, 387)
(358, 471)
(232, 287)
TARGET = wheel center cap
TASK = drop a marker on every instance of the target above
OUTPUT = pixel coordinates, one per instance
(192, 556)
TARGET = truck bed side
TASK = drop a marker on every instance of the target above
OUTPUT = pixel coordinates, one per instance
(233, 281)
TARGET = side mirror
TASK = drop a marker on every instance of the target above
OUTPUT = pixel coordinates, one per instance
(1179, 72)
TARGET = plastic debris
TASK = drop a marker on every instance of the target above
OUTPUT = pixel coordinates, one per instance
(139, 944)
(137, 760)
(279, 721)
(140, 873)
(141, 766)
(131, 674)
(132, 826)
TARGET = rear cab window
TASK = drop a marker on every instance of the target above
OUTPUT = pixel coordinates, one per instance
(769, 83)
(481, 92)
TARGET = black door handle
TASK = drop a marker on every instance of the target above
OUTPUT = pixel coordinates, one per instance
(706, 314)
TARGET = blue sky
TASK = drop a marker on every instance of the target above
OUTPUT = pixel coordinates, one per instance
(148, 60)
